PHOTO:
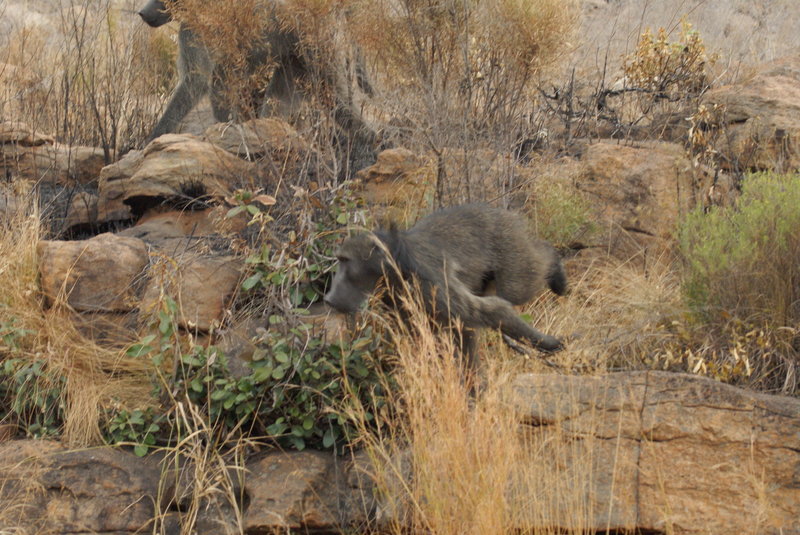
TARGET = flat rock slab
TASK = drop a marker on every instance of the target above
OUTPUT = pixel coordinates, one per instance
(48, 488)
(27, 154)
(640, 451)
(257, 137)
(675, 452)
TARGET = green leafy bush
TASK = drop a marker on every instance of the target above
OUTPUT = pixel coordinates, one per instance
(296, 392)
(562, 215)
(34, 395)
(308, 382)
(299, 385)
(30, 395)
(743, 267)
(139, 427)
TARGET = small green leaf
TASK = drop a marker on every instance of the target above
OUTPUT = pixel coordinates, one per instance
(196, 385)
(236, 210)
(219, 394)
(251, 281)
(262, 373)
(329, 438)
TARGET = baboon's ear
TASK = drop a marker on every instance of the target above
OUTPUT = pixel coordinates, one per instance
(393, 228)
(388, 225)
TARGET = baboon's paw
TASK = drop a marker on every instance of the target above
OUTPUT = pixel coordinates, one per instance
(549, 344)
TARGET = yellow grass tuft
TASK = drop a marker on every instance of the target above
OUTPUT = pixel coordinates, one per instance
(94, 377)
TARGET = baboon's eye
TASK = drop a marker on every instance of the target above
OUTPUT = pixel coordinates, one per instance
(343, 259)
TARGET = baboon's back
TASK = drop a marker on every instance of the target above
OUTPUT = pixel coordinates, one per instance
(484, 245)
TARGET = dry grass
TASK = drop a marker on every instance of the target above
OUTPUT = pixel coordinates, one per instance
(95, 377)
(446, 462)
(91, 74)
(462, 75)
(203, 474)
(442, 459)
(614, 312)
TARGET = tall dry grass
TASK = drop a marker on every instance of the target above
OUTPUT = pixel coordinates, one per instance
(88, 72)
(447, 462)
(460, 76)
(94, 377)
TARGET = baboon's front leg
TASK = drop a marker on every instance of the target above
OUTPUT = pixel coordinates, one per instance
(498, 313)
(194, 73)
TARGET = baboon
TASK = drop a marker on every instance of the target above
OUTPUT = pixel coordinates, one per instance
(458, 256)
(281, 48)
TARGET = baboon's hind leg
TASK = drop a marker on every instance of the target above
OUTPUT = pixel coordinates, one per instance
(498, 313)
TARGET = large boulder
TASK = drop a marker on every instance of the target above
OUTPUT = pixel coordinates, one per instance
(643, 188)
(288, 491)
(257, 138)
(28, 154)
(103, 274)
(651, 452)
(664, 452)
(174, 167)
(396, 185)
(201, 285)
(760, 118)
(50, 489)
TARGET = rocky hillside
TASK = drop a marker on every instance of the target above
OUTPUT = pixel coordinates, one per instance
(167, 363)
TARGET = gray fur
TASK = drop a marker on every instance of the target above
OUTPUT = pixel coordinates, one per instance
(458, 256)
(197, 75)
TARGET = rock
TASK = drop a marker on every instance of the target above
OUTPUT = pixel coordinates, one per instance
(158, 227)
(236, 342)
(642, 188)
(396, 186)
(173, 167)
(328, 323)
(257, 137)
(392, 164)
(154, 228)
(201, 286)
(27, 154)
(652, 452)
(82, 211)
(19, 133)
(667, 452)
(101, 274)
(760, 118)
(49, 489)
(301, 490)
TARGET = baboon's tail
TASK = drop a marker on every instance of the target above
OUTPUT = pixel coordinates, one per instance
(557, 277)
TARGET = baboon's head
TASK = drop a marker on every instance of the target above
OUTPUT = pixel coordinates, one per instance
(155, 13)
(360, 268)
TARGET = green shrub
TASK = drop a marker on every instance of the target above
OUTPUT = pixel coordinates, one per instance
(298, 387)
(296, 392)
(743, 267)
(745, 261)
(34, 397)
(30, 394)
(562, 215)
